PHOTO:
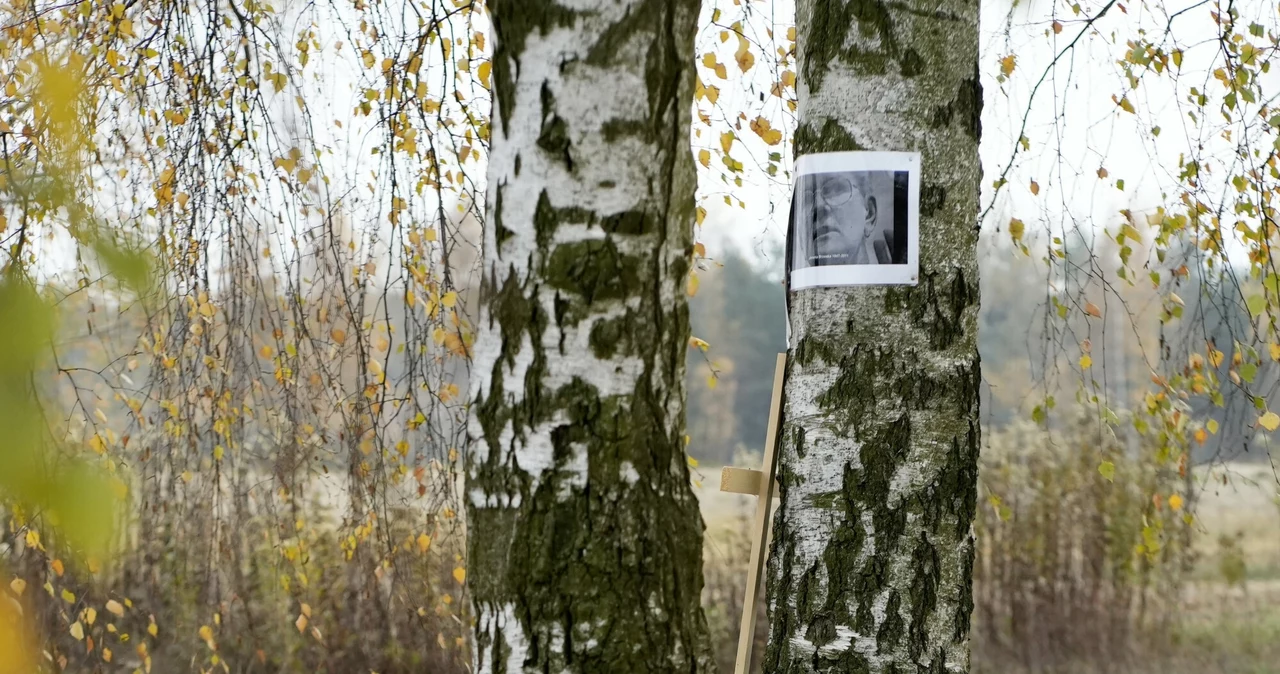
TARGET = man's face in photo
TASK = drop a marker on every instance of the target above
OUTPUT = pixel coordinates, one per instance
(843, 219)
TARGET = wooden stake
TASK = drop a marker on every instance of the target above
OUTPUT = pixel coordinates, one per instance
(762, 484)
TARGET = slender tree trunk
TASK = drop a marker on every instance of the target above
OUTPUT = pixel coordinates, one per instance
(871, 568)
(585, 539)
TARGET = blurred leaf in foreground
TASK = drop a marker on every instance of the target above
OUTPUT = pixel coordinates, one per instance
(15, 654)
(73, 494)
(69, 493)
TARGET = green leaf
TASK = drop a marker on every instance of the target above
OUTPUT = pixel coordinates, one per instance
(130, 266)
(1248, 371)
(21, 306)
(1107, 470)
(1257, 305)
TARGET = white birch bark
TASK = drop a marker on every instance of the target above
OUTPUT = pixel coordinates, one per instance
(585, 537)
(871, 569)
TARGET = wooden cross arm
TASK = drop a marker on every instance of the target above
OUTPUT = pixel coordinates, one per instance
(744, 481)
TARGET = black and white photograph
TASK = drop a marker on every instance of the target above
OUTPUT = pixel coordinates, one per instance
(854, 219)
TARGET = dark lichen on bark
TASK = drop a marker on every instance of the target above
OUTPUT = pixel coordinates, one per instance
(603, 571)
(889, 587)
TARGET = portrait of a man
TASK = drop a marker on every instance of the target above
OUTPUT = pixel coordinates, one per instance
(849, 218)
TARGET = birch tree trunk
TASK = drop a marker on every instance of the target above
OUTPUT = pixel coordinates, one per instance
(585, 539)
(871, 568)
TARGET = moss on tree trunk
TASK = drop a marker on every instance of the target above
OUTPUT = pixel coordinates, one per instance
(871, 568)
(585, 539)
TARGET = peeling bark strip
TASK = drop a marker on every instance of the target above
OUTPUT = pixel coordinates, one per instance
(871, 569)
(585, 539)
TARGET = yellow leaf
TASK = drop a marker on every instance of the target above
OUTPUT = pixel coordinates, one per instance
(68, 596)
(693, 285)
(424, 543)
(1212, 425)
(1215, 357)
(704, 158)
(1270, 421)
(743, 56)
(98, 446)
(1016, 229)
(58, 568)
(301, 623)
(460, 574)
(339, 336)
(1085, 361)
(206, 633)
(218, 453)
(18, 586)
(152, 629)
(449, 299)
(77, 631)
(59, 91)
(699, 249)
(483, 71)
(90, 615)
(1248, 54)
(1175, 502)
(712, 381)
(106, 655)
(1035, 187)
(1275, 352)
(726, 141)
(1007, 64)
(266, 351)
(115, 608)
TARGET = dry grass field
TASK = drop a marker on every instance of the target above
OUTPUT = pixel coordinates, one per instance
(1226, 621)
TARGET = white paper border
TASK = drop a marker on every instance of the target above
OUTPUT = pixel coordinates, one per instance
(866, 274)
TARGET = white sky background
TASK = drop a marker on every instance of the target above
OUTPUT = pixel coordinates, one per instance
(1074, 128)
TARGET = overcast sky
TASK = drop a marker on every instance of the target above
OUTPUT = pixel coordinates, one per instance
(1074, 128)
